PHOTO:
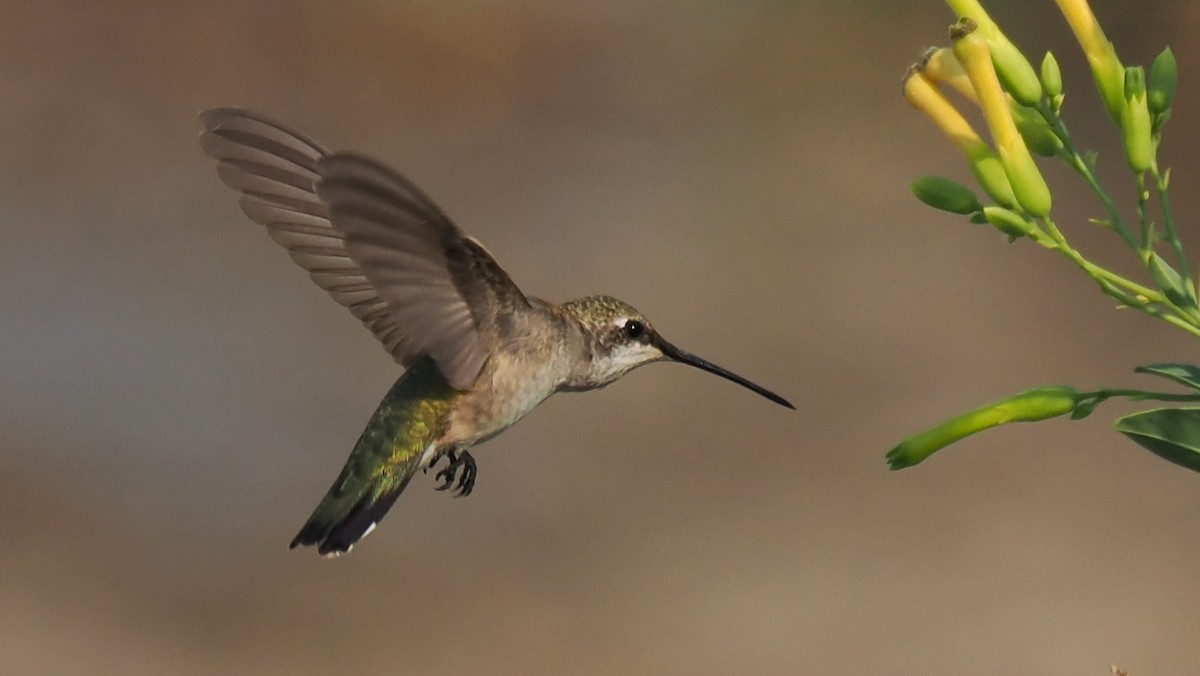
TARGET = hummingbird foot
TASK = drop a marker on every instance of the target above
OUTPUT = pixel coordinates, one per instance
(447, 475)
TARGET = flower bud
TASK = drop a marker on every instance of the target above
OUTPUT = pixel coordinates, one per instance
(1135, 122)
(1042, 403)
(1051, 76)
(1028, 186)
(1015, 72)
(942, 193)
(987, 168)
(1161, 88)
(1012, 224)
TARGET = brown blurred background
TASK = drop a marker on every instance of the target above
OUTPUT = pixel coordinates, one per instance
(175, 395)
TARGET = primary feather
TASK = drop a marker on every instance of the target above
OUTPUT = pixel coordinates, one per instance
(369, 237)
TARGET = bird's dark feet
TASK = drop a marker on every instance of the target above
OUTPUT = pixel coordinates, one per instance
(447, 475)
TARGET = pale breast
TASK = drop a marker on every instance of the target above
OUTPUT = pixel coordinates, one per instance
(506, 391)
(528, 366)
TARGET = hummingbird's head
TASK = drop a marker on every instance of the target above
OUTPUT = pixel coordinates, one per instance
(620, 339)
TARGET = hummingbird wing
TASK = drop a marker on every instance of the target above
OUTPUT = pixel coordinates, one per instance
(370, 238)
(445, 289)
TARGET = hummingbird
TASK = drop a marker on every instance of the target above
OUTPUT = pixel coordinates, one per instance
(478, 353)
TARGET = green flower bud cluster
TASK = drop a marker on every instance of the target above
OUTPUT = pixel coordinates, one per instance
(1021, 106)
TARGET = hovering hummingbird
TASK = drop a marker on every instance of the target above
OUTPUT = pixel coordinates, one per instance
(479, 354)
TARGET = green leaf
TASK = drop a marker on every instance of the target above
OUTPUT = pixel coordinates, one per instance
(1171, 284)
(1184, 374)
(1085, 407)
(1172, 434)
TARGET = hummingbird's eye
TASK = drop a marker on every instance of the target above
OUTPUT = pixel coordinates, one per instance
(634, 329)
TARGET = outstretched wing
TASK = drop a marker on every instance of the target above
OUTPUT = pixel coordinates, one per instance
(442, 287)
(368, 237)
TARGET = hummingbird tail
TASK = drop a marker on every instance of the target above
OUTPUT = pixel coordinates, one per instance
(404, 428)
(340, 521)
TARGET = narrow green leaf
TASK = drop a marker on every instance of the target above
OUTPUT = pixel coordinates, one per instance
(1184, 374)
(1171, 284)
(1086, 406)
(1172, 434)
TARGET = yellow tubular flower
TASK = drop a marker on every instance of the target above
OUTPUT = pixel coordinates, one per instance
(1027, 183)
(923, 95)
(941, 66)
(1102, 57)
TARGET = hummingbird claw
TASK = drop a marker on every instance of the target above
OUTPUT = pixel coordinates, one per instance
(448, 474)
(466, 483)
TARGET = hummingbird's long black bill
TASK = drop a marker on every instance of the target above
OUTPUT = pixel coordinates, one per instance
(692, 360)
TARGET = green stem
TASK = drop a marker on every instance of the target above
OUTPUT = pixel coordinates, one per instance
(1098, 273)
(1143, 196)
(1125, 291)
(1073, 159)
(1164, 200)
(1140, 395)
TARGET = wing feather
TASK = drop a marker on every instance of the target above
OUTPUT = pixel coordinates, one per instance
(370, 238)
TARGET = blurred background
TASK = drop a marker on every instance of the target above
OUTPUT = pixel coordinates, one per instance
(175, 395)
